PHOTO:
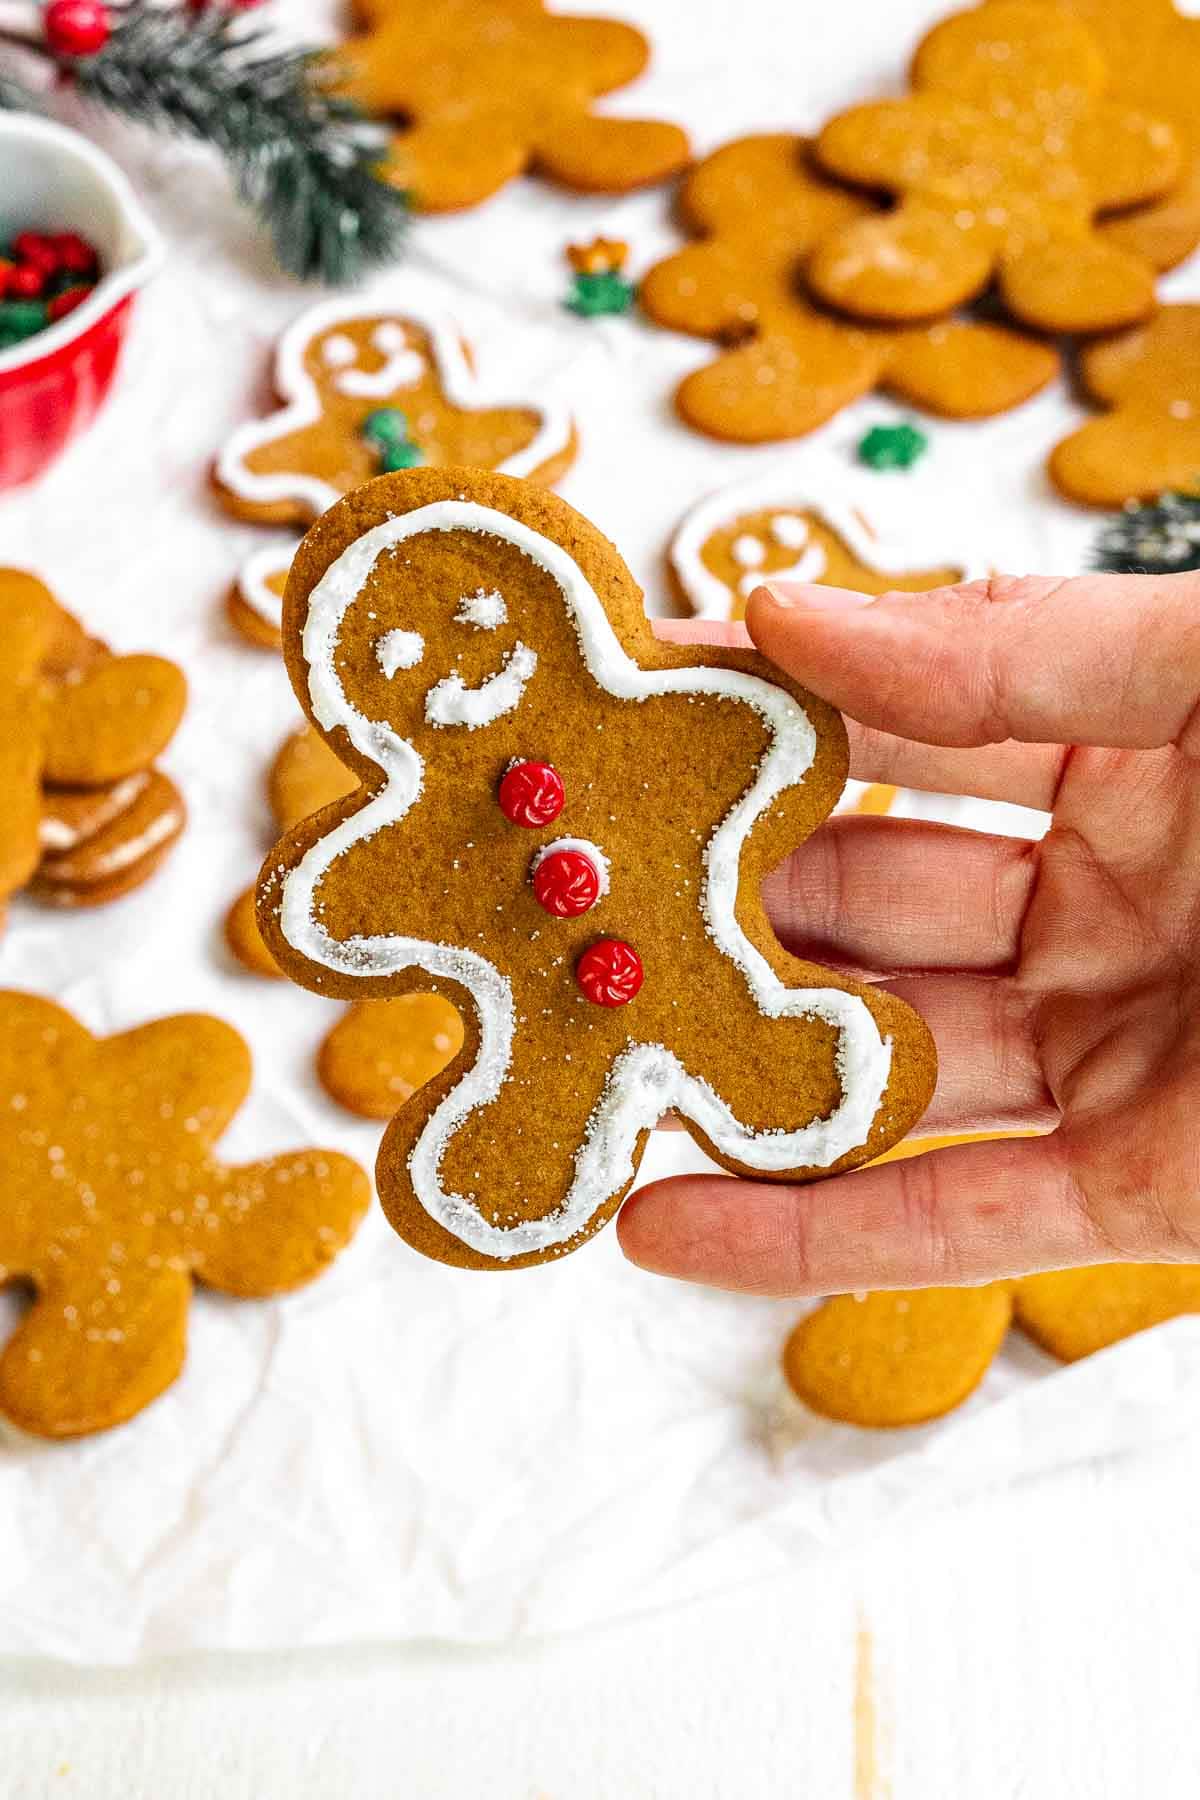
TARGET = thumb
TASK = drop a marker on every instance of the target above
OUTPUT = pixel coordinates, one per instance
(1112, 660)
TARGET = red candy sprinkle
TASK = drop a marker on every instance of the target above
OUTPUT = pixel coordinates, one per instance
(37, 250)
(566, 883)
(610, 972)
(75, 255)
(532, 794)
(26, 282)
(66, 302)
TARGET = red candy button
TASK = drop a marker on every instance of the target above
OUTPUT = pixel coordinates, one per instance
(532, 794)
(566, 883)
(610, 972)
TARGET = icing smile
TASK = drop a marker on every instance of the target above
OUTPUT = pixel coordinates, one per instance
(452, 702)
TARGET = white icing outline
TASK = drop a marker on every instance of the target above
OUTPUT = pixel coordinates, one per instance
(585, 847)
(296, 388)
(451, 702)
(806, 484)
(646, 1080)
(253, 577)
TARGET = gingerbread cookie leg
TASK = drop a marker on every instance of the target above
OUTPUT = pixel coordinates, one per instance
(1076, 1312)
(85, 1358)
(273, 1225)
(782, 384)
(963, 370)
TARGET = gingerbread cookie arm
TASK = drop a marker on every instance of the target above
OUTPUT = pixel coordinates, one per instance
(113, 721)
(427, 161)
(908, 265)
(274, 1225)
(1076, 1312)
(1136, 453)
(83, 1360)
(594, 55)
(714, 290)
(1165, 232)
(197, 1064)
(599, 155)
(964, 370)
(894, 1359)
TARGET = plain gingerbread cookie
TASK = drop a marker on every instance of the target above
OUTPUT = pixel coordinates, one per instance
(569, 844)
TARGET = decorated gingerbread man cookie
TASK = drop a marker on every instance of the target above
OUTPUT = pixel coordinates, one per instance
(1001, 159)
(86, 816)
(368, 388)
(115, 1202)
(562, 826)
(489, 88)
(799, 521)
(759, 206)
(1148, 443)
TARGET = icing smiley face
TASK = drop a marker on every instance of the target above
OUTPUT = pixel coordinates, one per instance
(683, 776)
(802, 522)
(343, 363)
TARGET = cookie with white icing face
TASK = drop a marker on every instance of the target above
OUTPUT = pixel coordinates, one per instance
(563, 825)
(787, 525)
(358, 380)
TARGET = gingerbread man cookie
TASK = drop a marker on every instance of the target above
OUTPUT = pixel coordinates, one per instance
(758, 206)
(799, 521)
(87, 817)
(380, 1051)
(1148, 443)
(490, 88)
(115, 1203)
(1152, 55)
(562, 825)
(1001, 160)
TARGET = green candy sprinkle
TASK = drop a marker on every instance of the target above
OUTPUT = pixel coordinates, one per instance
(892, 446)
(592, 296)
(400, 456)
(21, 318)
(386, 425)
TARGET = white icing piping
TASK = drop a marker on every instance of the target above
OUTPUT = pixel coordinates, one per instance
(482, 609)
(833, 495)
(302, 405)
(810, 567)
(403, 366)
(451, 702)
(585, 847)
(646, 1080)
(253, 578)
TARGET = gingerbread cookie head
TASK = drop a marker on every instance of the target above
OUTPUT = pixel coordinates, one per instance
(562, 826)
(1148, 442)
(1001, 160)
(800, 521)
(115, 1201)
(368, 388)
(758, 207)
(489, 88)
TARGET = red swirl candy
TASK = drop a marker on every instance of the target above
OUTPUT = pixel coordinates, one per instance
(566, 883)
(532, 794)
(610, 972)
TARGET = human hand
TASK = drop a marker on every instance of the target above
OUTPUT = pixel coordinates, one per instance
(1061, 979)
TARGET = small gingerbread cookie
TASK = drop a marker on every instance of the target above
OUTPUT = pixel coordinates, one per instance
(369, 387)
(1001, 159)
(563, 827)
(115, 1202)
(255, 599)
(489, 88)
(799, 521)
(758, 206)
(86, 816)
(1148, 442)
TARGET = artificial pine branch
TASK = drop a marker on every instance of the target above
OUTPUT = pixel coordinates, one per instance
(303, 158)
(1158, 539)
(15, 96)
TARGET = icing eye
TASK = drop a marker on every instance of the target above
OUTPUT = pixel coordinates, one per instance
(399, 650)
(790, 530)
(482, 609)
(388, 337)
(338, 352)
(748, 552)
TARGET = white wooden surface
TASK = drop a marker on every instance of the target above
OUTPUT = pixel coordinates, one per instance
(1041, 1641)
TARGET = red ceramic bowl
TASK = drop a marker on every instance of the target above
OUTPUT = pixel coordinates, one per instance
(51, 385)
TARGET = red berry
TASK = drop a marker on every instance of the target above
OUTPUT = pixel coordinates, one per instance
(77, 27)
(610, 972)
(26, 282)
(75, 255)
(566, 883)
(67, 301)
(532, 794)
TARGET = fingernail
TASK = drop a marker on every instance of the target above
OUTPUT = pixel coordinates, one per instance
(815, 598)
